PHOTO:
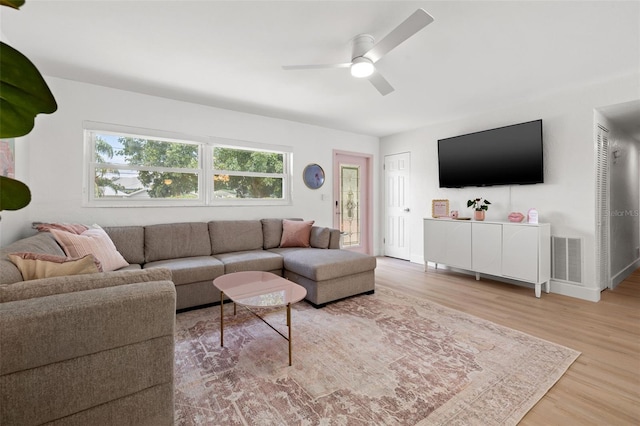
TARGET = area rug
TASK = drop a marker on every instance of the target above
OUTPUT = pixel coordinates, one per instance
(382, 359)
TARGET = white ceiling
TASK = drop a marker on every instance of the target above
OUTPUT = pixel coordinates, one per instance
(475, 56)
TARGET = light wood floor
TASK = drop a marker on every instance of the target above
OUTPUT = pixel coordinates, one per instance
(602, 387)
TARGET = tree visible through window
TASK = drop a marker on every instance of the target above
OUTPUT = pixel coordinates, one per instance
(105, 177)
(138, 168)
(243, 173)
(152, 153)
(131, 169)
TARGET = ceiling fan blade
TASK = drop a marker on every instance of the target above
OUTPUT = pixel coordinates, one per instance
(315, 67)
(414, 23)
(380, 83)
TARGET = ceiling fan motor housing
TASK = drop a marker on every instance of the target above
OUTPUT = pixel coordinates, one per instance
(361, 44)
(361, 66)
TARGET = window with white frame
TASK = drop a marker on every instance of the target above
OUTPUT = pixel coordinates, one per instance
(128, 166)
(241, 173)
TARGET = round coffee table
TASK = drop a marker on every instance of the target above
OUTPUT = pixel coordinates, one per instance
(258, 289)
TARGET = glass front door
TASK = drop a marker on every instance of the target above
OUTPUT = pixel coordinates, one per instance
(350, 205)
(352, 186)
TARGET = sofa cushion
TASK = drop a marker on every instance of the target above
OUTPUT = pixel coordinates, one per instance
(235, 235)
(320, 237)
(33, 266)
(272, 232)
(40, 243)
(92, 241)
(254, 260)
(296, 233)
(129, 240)
(335, 239)
(319, 264)
(188, 270)
(131, 267)
(176, 240)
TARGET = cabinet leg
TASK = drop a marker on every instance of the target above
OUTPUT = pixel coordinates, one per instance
(477, 276)
(547, 287)
(538, 290)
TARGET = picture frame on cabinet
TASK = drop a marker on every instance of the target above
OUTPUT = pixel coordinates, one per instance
(439, 208)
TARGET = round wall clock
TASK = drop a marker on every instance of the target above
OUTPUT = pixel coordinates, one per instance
(313, 176)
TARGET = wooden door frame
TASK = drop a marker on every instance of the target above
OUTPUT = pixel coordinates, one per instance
(368, 158)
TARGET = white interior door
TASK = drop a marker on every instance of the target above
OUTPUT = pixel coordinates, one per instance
(397, 170)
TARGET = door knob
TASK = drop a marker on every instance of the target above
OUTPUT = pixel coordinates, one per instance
(407, 209)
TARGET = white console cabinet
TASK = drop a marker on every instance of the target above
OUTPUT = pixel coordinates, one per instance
(518, 251)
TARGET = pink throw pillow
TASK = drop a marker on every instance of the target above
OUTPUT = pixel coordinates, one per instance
(296, 233)
(93, 241)
(74, 228)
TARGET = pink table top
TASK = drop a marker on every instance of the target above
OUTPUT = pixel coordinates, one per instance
(259, 289)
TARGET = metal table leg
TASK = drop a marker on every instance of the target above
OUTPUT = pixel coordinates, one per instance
(222, 319)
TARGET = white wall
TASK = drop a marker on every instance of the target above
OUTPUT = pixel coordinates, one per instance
(49, 159)
(566, 199)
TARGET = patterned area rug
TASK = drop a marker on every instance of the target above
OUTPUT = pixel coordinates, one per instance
(385, 359)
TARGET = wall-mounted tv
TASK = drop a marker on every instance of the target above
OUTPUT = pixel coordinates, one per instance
(510, 155)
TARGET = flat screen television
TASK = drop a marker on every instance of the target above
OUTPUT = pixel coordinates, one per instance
(510, 155)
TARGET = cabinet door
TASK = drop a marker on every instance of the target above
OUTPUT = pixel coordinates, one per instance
(486, 252)
(434, 239)
(457, 248)
(520, 252)
(448, 242)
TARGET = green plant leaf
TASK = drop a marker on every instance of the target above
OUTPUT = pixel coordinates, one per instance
(14, 194)
(23, 93)
(12, 3)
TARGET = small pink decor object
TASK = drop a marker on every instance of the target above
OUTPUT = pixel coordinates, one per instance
(532, 216)
(516, 217)
(454, 214)
(478, 214)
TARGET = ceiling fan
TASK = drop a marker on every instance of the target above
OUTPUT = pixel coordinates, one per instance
(365, 53)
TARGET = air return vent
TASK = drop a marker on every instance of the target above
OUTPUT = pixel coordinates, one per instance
(567, 259)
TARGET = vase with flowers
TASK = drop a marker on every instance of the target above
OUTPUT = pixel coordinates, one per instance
(480, 206)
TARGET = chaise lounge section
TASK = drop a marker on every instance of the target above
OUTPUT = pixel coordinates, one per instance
(329, 275)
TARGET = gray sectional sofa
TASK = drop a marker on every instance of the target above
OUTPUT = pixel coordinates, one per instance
(98, 348)
(198, 252)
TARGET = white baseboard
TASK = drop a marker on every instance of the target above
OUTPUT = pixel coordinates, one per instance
(567, 289)
(622, 275)
(558, 287)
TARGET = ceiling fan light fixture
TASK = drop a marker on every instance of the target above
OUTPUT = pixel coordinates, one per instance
(362, 67)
